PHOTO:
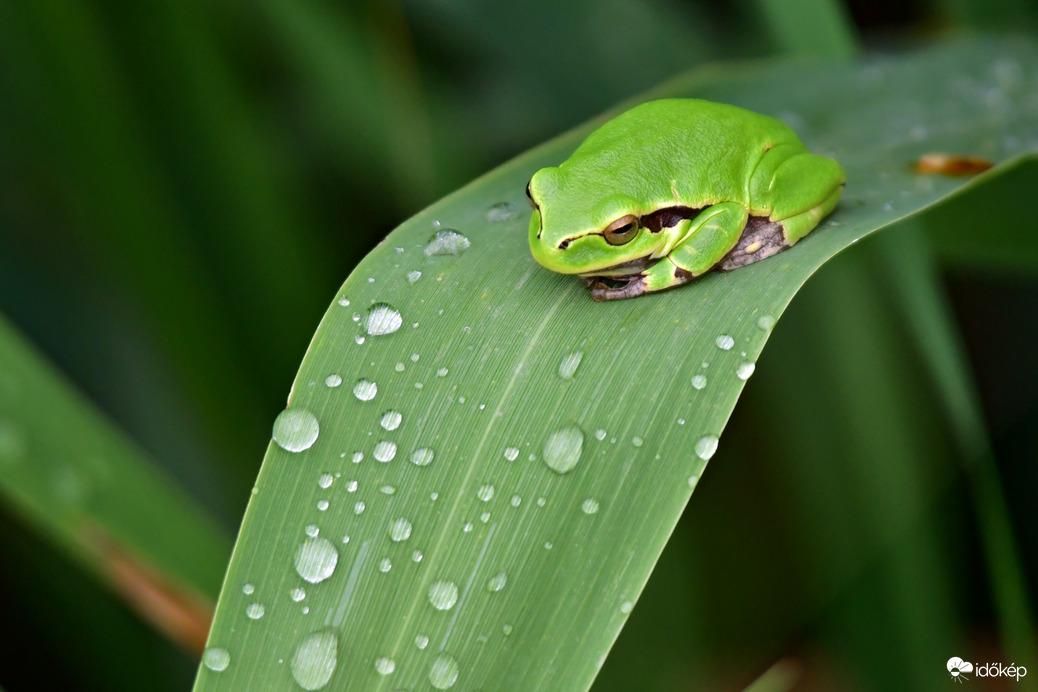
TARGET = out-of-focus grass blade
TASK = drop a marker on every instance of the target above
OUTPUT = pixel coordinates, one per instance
(78, 481)
(479, 467)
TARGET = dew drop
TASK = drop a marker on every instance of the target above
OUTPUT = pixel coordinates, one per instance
(447, 242)
(385, 451)
(600, 434)
(443, 595)
(744, 371)
(506, 630)
(399, 367)
(422, 456)
(467, 528)
(359, 508)
(637, 441)
(563, 448)
(387, 490)
(511, 453)
(344, 301)
(365, 390)
(216, 658)
(333, 380)
(443, 673)
(497, 582)
(699, 381)
(295, 429)
(502, 211)
(312, 530)
(351, 487)
(570, 363)
(400, 530)
(693, 481)
(314, 660)
(385, 666)
(589, 506)
(421, 641)
(417, 556)
(516, 501)
(297, 594)
(706, 446)
(626, 607)
(391, 420)
(765, 323)
(382, 319)
(724, 342)
(247, 589)
(385, 565)
(322, 505)
(357, 457)
(316, 559)
(255, 611)
(326, 480)
(485, 493)
(413, 276)
(484, 517)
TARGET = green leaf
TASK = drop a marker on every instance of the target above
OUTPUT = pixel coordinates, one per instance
(488, 464)
(75, 479)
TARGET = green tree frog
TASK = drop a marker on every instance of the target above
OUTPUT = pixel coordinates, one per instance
(672, 189)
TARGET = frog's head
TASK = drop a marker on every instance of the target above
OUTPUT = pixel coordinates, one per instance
(578, 228)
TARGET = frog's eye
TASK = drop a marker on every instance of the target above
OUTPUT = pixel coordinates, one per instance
(622, 230)
(529, 196)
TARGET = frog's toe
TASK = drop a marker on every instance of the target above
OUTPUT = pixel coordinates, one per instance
(759, 240)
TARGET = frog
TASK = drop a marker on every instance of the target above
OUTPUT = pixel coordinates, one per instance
(672, 189)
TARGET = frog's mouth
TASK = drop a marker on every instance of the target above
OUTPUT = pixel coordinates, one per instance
(622, 273)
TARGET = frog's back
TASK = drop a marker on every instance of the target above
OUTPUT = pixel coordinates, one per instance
(699, 151)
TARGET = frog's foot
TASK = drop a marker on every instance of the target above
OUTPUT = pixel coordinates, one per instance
(662, 275)
(759, 240)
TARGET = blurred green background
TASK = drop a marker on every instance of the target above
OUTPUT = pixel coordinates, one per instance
(184, 185)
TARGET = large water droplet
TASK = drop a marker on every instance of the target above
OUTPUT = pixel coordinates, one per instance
(443, 673)
(502, 211)
(706, 446)
(382, 319)
(216, 658)
(724, 342)
(745, 370)
(422, 456)
(385, 666)
(316, 559)
(497, 582)
(447, 242)
(570, 363)
(400, 530)
(384, 451)
(365, 390)
(391, 420)
(295, 429)
(563, 448)
(443, 595)
(315, 659)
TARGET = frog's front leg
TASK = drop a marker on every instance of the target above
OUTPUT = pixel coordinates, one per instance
(705, 240)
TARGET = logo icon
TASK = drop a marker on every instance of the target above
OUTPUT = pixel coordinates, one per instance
(957, 668)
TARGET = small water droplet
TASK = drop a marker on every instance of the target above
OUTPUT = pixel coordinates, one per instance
(399, 367)
(570, 363)
(359, 508)
(502, 211)
(626, 607)
(387, 490)
(421, 641)
(312, 530)
(497, 582)
(385, 565)
(637, 441)
(563, 448)
(467, 528)
(357, 457)
(507, 630)
(724, 342)
(333, 380)
(400, 530)
(442, 372)
(413, 276)
(365, 390)
(515, 501)
(322, 505)
(706, 446)
(247, 589)
(314, 660)
(485, 492)
(385, 451)
(344, 301)
(316, 559)
(351, 487)
(326, 480)
(443, 595)
(255, 611)
(382, 319)
(443, 673)
(391, 420)
(297, 594)
(447, 242)
(295, 429)
(541, 501)
(511, 453)
(547, 545)
(385, 666)
(589, 506)
(422, 456)
(745, 370)
(693, 481)
(417, 556)
(484, 517)
(358, 339)
(766, 323)
(216, 658)
(699, 381)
